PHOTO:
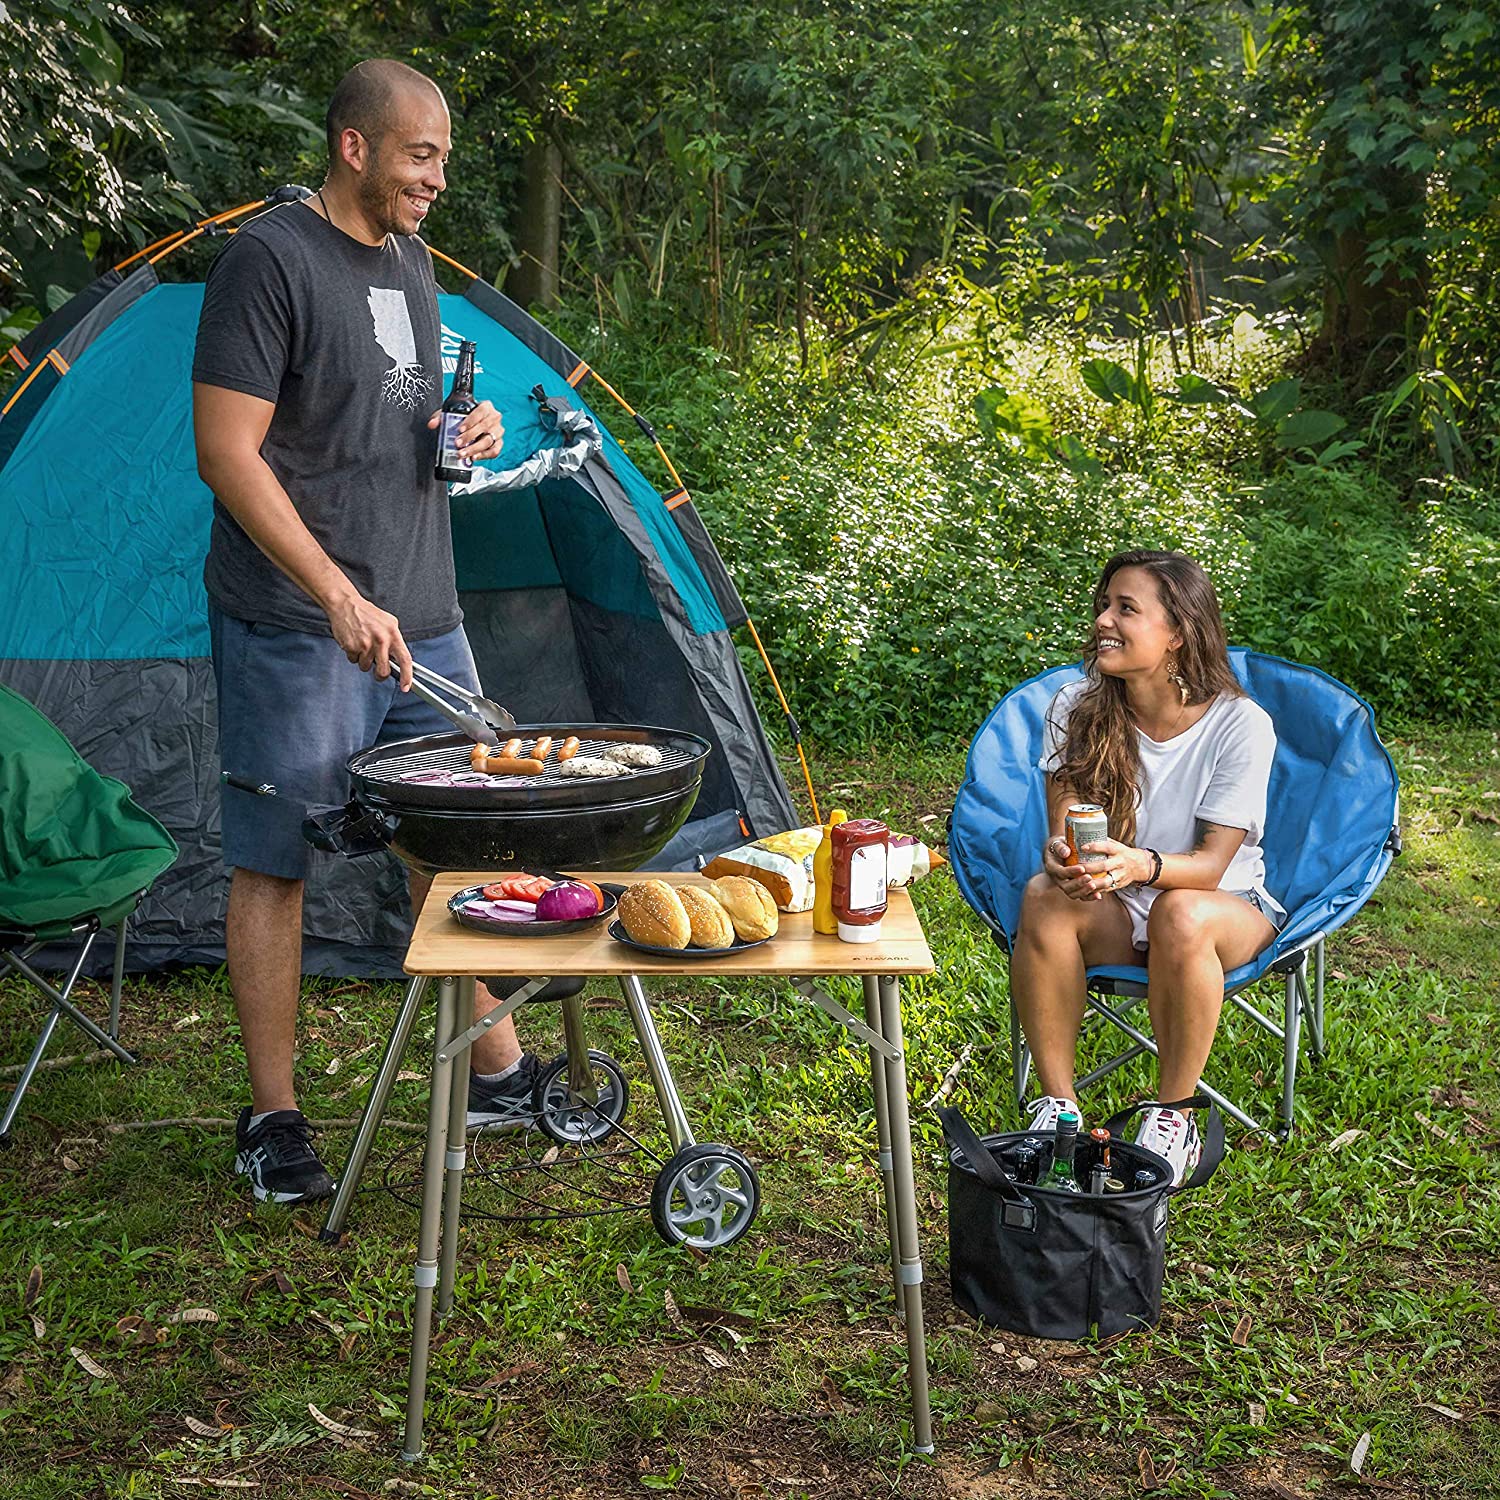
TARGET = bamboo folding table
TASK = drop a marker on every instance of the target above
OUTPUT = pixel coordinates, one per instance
(454, 955)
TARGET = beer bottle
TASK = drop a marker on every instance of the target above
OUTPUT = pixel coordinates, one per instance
(1060, 1175)
(452, 465)
(1026, 1165)
(1144, 1178)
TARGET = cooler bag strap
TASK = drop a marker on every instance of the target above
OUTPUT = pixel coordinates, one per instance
(1213, 1134)
(961, 1134)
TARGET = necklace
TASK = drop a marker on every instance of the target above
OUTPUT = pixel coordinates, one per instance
(324, 202)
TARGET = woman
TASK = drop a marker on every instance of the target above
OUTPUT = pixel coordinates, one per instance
(1161, 735)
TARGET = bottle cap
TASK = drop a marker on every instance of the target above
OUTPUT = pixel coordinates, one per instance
(852, 934)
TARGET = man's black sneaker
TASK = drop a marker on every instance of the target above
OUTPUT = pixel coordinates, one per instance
(505, 1105)
(278, 1158)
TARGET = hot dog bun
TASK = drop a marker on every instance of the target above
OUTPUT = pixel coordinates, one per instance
(750, 905)
(709, 921)
(653, 913)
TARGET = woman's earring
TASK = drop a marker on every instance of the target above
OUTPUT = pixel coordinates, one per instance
(1175, 678)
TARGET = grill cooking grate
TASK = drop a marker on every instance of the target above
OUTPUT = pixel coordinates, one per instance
(456, 758)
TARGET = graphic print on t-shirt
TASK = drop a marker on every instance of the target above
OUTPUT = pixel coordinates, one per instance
(406, 382)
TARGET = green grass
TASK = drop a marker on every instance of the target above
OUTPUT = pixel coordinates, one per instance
(1365, 1279)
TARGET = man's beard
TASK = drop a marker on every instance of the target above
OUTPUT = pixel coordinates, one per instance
(377, 193)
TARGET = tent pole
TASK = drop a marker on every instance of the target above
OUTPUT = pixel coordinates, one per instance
(177, 234)
(790, 719)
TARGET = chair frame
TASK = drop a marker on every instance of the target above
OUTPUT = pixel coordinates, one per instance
(17, 947)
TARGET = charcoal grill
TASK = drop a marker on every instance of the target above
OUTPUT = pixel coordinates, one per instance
(547, 820)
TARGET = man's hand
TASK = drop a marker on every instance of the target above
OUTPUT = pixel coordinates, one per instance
(482, 434)
(371, 638)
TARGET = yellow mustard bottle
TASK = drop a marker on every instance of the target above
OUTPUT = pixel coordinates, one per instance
(823, 919)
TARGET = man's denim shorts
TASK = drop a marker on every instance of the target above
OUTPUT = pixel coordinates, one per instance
(292, 710)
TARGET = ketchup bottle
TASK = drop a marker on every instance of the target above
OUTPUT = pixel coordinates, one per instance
(860, 849)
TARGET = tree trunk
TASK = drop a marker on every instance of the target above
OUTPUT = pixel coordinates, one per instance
(535, 277)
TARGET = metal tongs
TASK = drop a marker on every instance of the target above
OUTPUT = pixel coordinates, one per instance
(482, 719)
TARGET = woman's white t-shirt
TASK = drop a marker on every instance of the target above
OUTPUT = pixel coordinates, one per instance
(1217, 771)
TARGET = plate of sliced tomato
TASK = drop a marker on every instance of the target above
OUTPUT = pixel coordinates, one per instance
(509, 905)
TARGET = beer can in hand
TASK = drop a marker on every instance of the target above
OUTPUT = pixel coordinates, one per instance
(1086, 824)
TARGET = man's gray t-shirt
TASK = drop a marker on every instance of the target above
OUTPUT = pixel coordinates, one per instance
(344, 338)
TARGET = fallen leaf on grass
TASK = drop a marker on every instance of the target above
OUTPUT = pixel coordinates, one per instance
(192, 1315)
(1347, 1138)
(33, 1286)
(38, 1326)
(713, 1358)
(333, 1067)
(511, 1372)
(93, 1366)
(623, 1277)
(183, 1021)
(70, 1165)
(1028, 1468)
(1241, 1335)
(835, 1396)
(227, 1362)
(338, 1429)
(406, 1075)
(140, 1330)
(282, 1280)
(669, 1302)
(1442, 1411)
(550, 1155)
(1361, 1449)
(346, 1347)
(1149, 1481)
(205, 1429)
(1435, 1128)
(1257, 1414)
(218, 1484)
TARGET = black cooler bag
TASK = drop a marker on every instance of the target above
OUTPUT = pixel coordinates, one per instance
(1058, 1265)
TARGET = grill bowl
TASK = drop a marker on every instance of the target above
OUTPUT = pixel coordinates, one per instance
(546, 821)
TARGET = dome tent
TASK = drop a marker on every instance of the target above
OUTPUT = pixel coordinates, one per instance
(587, 595)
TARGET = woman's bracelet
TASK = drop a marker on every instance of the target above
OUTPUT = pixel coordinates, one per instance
(1155, 868)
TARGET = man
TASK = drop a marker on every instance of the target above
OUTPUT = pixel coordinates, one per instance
(316, 385)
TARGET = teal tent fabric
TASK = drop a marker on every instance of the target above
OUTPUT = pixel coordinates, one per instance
(72, 843)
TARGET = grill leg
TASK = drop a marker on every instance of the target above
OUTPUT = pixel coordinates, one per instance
(581, 1085)
(905, 1226)
(883, 1133)
(679, 1132)
(456, 1157)
(426, 1275)
(374, 1110)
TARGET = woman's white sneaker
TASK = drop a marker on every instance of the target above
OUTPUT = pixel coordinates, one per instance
(1044, 1113)
(1174, 1135)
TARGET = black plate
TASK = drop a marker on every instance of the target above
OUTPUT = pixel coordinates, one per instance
(618, 933)
(480, 923)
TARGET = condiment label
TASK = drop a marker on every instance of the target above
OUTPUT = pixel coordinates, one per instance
(867, 877)
(448, 455)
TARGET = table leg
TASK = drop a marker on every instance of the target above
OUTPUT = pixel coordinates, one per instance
(883, 1135)
(432, 1204)
(906, 1213)
(374, 1110)
(456, 1156)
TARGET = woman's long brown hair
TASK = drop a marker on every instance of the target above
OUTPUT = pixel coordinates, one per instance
(1101, 757)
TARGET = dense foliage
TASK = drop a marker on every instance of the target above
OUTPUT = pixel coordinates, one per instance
(943, 301)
